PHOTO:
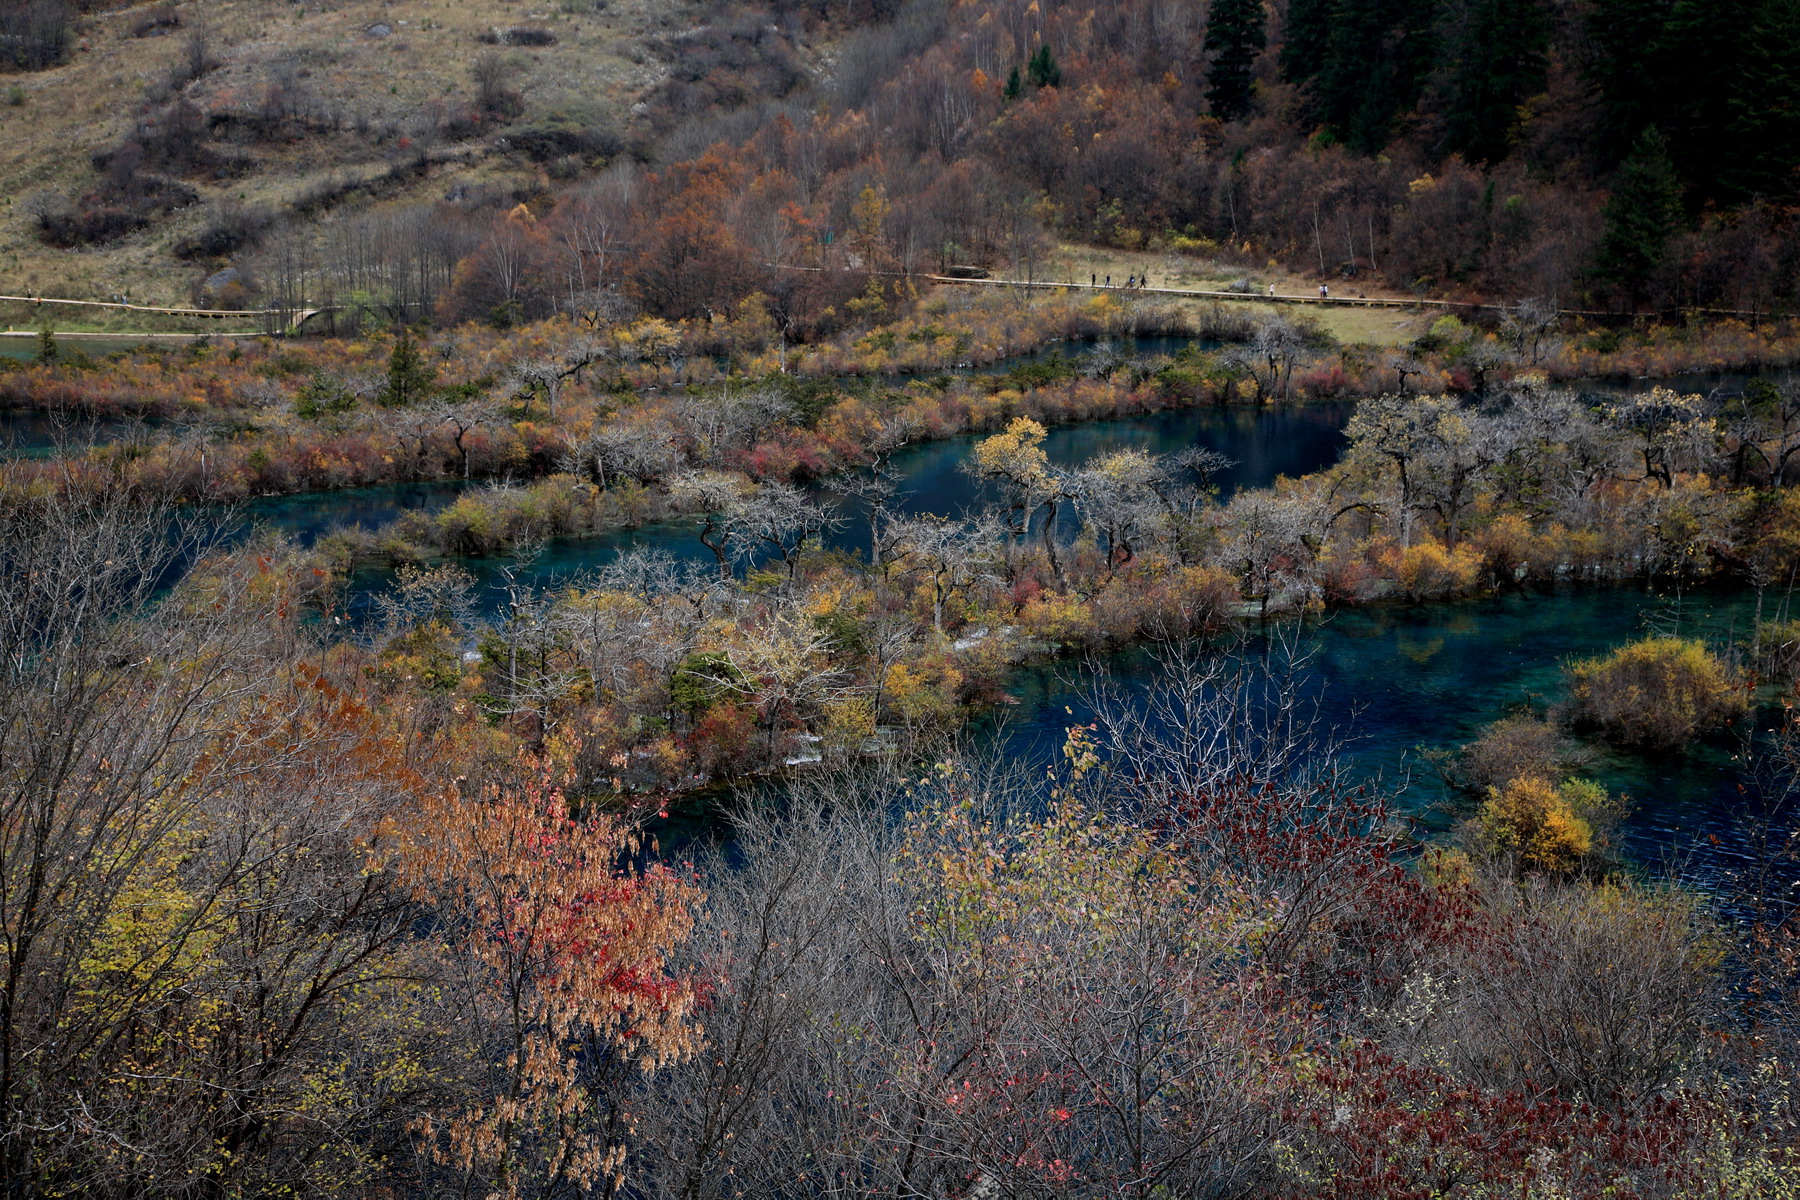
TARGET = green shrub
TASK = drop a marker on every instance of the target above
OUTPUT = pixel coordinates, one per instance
(323, 394)
(702, 680)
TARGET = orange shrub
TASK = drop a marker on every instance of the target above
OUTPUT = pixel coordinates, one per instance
(1427, 570)
(1533, 821)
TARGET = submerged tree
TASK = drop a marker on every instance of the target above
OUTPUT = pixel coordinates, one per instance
(1033, 489)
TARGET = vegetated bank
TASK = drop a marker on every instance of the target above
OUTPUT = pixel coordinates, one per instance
(640, 400)
(782, 648)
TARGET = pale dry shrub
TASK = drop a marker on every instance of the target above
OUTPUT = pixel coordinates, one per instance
(1659, 692)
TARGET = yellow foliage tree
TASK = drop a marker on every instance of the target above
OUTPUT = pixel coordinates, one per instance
(1017, 455)
(1535, 821)
(1429, 571)
(1016, 460)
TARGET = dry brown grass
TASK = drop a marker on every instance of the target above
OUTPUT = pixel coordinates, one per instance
(90, 102)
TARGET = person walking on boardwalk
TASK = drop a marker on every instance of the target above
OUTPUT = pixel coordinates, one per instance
(1324, 291)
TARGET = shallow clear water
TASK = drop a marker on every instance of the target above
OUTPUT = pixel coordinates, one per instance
(1393, 683)
(308, 516)
(1264, 443)
(1722, 384)
(96, 345)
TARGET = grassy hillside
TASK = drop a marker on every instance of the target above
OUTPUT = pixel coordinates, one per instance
(308, 111)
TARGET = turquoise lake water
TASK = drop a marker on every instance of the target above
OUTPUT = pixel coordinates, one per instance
(1396, 683)
(1393, 684)
(1265, 443)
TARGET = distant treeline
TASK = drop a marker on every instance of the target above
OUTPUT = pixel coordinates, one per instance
(1623, 153)
(1637, 155)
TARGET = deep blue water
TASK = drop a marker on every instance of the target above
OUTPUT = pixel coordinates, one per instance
(1719, 384)
(1265, 443)
(1391, 683)
(1394, 683)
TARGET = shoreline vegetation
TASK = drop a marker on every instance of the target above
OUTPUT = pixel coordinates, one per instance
(788, 652)
(775, 651)
(272, 418)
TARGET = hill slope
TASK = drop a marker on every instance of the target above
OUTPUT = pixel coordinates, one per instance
(248, 113)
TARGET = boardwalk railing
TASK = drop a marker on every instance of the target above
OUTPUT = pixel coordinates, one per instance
(1304, 298)
(293, 318)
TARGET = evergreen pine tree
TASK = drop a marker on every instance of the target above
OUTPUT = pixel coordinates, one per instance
(1765, 108)
(1042, 69)
(1378, 57)
(1305, 38)
(1700, 69)
(47, 351)
(1642, 215)
(408, 378)
(1013, 86)
(1499, 62)
(1234, 36)
(1628, 39)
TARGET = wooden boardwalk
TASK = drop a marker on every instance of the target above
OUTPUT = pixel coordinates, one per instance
(1300, 298)
(294, 318)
